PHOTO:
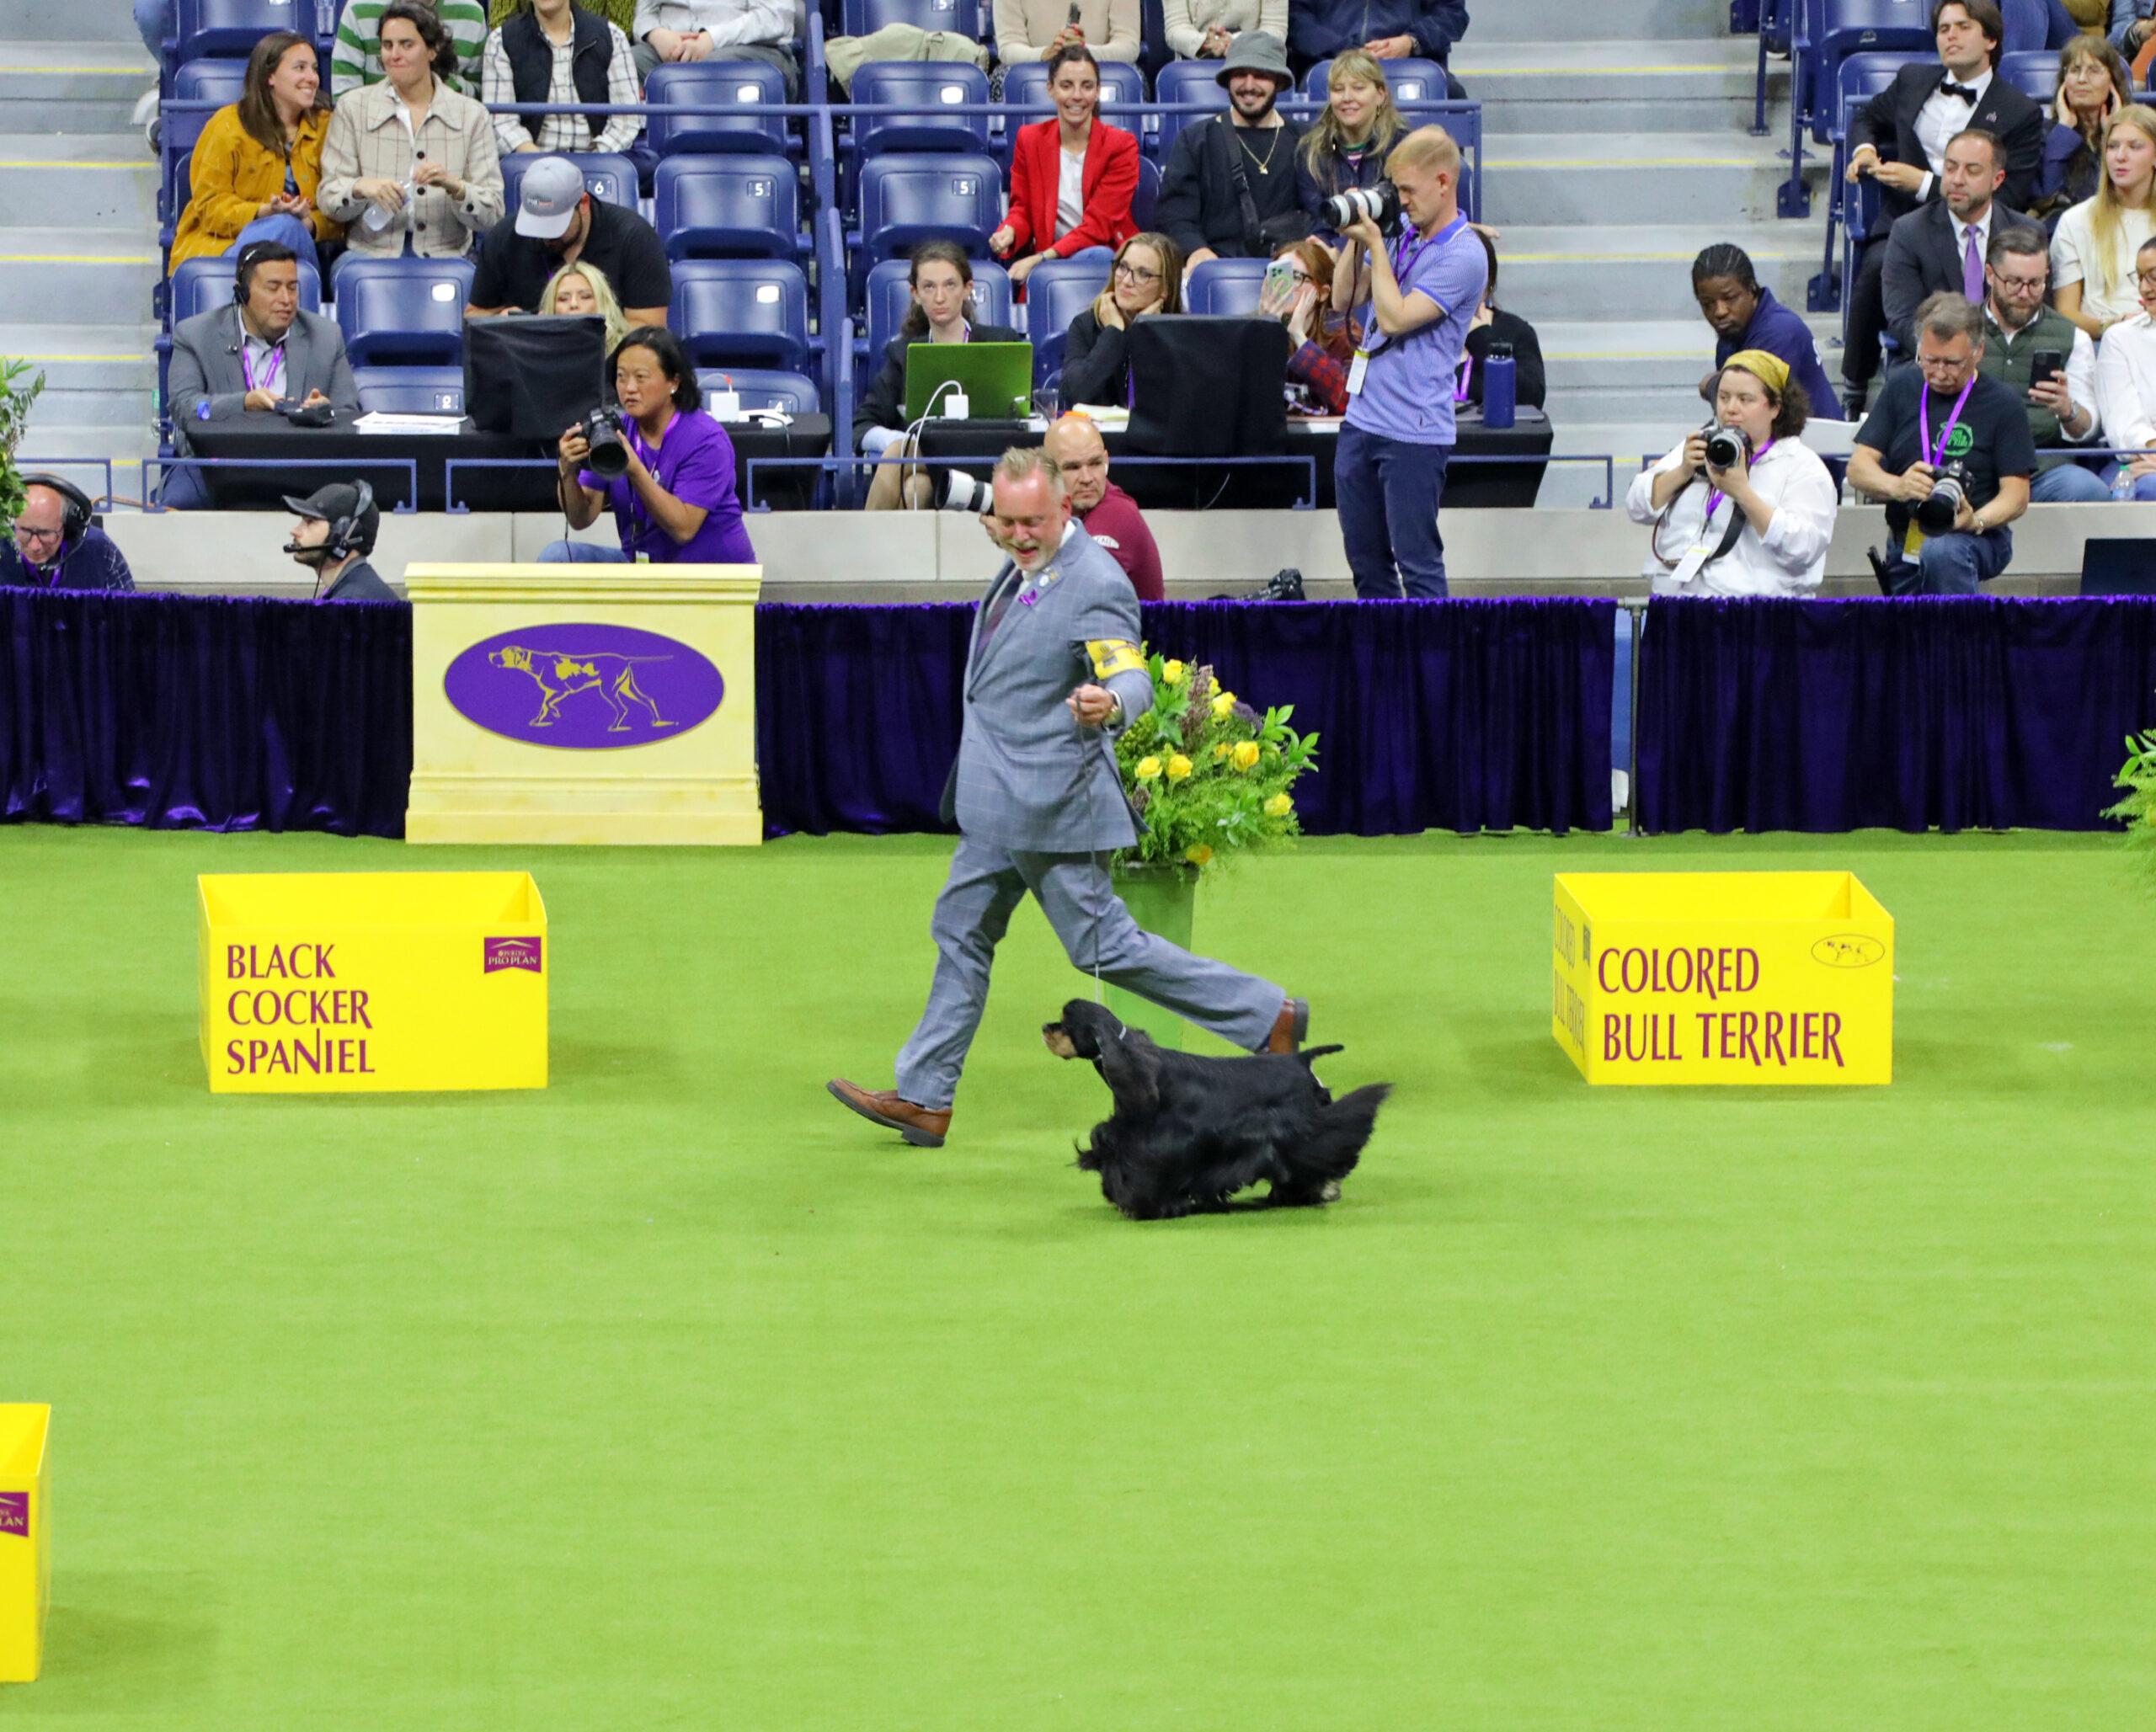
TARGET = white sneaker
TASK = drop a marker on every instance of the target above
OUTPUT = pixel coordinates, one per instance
(146, 117)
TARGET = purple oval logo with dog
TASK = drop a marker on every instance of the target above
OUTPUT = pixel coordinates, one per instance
(587, 688)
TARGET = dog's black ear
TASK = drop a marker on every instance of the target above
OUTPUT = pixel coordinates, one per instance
(1130, 1065)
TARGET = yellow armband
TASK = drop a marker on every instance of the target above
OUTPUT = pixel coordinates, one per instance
(1111, 656)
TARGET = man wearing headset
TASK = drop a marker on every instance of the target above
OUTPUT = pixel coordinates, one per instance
(334, 535)
(56, 545)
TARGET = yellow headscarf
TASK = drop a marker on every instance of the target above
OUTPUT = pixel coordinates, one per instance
(1770, 370)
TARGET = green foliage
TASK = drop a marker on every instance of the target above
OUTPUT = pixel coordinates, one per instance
(2138, 776)
(1209, 774)
(15, 400)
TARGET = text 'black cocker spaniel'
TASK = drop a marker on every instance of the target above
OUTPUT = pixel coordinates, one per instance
(1189, 1133)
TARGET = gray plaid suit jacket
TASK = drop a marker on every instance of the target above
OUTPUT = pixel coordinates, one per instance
(1028, 778)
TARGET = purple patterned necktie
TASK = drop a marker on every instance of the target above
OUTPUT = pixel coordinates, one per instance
(1973, 266)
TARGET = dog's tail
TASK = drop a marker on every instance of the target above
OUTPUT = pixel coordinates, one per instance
(1310, 1055)
(1343, 1127)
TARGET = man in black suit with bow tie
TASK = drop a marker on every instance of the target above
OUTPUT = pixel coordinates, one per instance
(1899, 140)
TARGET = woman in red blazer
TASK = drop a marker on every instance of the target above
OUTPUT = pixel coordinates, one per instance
(1106, 159)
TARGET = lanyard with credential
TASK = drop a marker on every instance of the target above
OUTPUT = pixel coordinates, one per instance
(1925, 449)
(1716, 496)
(1404, 260)
(273, 367)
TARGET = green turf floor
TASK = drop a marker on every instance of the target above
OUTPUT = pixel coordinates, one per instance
(675, 1396)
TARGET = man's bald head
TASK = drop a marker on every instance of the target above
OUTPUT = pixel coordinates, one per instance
(1074, 444)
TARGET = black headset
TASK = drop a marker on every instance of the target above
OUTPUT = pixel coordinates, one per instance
(342, 529)
(79, 511)
(248, 257)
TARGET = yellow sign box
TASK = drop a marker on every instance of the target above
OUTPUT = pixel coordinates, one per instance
(1723, 977)
(330, 982)
(25, 1540)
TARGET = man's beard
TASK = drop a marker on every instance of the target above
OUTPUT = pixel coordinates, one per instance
(1260, 117)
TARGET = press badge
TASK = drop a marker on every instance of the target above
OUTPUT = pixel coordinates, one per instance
(1688, 567)
(1912, 542)
(1356, 369)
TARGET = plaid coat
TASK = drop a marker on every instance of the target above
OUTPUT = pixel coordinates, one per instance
(367, 141)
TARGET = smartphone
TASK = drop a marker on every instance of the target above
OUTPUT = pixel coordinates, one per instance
(1074, 12)
(1279, 279)
(2043, 364)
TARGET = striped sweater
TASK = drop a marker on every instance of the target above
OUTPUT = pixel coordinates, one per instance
(356, 58)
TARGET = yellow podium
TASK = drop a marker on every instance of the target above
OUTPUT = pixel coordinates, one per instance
(1665, 978)
(584, 704)
(25, 1540)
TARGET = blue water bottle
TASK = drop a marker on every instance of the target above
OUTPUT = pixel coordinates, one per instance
(1498, 386)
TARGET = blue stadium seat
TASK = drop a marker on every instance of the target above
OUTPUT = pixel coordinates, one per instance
(1122, 86)
(1056, 292)
(1858, 77)
(762, 388)
(411, 391)
(1147, 193)
(908, 199)
(606, 176)
(2028, 25)
(754, 311)
(1829, 31)
(2032, 72)
(1226, 286)
(1409, 81)
(219, 81)
(403, 312)
(864, 18)
(748, 85)
(228, 29)
(205, 284)
(1185, 81)
(727, 207)
(888, 297)
(933, 84)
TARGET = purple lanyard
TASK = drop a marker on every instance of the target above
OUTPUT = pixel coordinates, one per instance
(641, 520)
(1930, 453)
(1466, 373)
(273, 367)
(1716, 496)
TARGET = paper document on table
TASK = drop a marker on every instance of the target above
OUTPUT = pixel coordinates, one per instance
(381, 421)
(1103, 415)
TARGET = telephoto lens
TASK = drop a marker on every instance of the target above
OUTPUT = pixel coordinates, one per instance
(964, 493)
(609, 457)
(1936, 511)
(1725, 447)
(1380, 202)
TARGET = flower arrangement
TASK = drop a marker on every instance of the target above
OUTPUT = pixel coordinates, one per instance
(1209, 774)
(2138, 776)
(15, 401)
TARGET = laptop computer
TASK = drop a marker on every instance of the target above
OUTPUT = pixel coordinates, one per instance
(996, 379)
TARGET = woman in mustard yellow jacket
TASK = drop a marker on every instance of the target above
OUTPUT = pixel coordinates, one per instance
(257, 163)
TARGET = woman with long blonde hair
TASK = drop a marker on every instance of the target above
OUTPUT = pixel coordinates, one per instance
(581, 289)
(1145, 279)
(1347, 144)
(2092, 252)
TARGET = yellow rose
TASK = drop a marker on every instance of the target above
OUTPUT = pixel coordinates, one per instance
(1198, 853)
(1244, 756)
(1279, 806)
(1224, 706)
(1172, 673)
(1148, 768)
(1222, 750)
(1178, 767)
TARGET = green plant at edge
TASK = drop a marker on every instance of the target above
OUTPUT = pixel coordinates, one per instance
(15, 400)
(2138, 776)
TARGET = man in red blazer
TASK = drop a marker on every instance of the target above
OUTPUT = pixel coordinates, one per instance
(1071, 178)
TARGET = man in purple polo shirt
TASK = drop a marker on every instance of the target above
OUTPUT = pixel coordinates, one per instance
(1418, 294)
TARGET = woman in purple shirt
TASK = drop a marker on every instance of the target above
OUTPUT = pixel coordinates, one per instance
(677, 504)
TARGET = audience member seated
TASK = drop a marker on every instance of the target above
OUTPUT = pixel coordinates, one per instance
(2096, 242)
(2017, 327)
(1324, 340)
(1745, 315)
(1899, 140)
(581, 290)
(1229, 189)
(356, 57)
(1942, 414)
(554, 50)
(1206, 30)
(941, 278)
(1145, 279)
(676, 505)
(56, 547)
(1390, 29)
(257, 165)
(2126, 381)
(1493, 324)
(410, 165)
(2132, 25)
(558, 222)
(2093, 84)
(1071, 178)
(1760, 526)
(1108, 514)
(1942, 244)
(336, 531)
(1041, 29)
(1348, 143)
(672, 32)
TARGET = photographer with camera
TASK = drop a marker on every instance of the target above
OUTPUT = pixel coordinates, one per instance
(1742, 507)
(1949, 452)
(664, 467)
(1416, 296)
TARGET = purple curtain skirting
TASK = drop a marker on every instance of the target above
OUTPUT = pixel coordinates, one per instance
(1454, 715)
(1909, 715)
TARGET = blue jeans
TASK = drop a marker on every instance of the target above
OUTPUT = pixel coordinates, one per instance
(1388, 491)
(293, 233)
(2144, 487)
(1951, 564)
(2069, 484)
(581, 553)
(154, 20)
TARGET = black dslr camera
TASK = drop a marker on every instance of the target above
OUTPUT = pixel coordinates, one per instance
(1380, 203)
(609, 457)
(1724, 446)
(1936, 511)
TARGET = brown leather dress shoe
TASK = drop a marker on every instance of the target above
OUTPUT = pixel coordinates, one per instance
(924, 1127)
(1290, 1028)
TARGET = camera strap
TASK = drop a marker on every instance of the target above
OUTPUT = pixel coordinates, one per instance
(1253, 229)
(1700, 556)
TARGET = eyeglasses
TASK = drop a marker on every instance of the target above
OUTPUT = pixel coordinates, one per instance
(2019, 286)
(1137, 274)
(23, 532)
(2147, 279)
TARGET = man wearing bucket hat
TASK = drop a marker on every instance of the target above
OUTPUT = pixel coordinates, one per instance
(1229, 189)
(334, 534)
(556, 221)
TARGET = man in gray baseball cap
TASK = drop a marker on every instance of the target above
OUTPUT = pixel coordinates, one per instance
(1228, 189)
(335, 533)
(557, 222)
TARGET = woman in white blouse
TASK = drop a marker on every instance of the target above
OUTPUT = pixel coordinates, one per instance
(1760, 527)
(2126, 381)
(2094, 249)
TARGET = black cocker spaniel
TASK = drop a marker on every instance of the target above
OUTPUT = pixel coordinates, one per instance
(1189, 1133)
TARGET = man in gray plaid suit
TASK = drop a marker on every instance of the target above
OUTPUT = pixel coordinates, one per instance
(1054, 671)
